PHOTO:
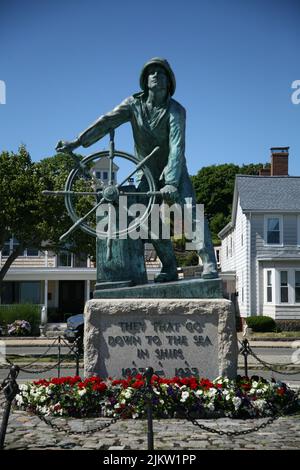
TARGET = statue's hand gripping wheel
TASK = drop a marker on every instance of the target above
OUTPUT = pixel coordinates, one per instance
(105, 195)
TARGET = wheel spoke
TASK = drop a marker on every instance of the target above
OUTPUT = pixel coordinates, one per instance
(80, 193)
(82, 219)
(138, 193)
(139, 166)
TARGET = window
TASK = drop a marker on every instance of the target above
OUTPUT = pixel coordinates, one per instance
(30, 292)
(105, 175)
(284, 289)
(297, 286)
(6, 249)
(273, 229)
(80, 261)
(64, 259)
(269, 286)
(98, 175)
(31, 252)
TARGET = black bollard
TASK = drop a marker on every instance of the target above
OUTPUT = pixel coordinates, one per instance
(10, 389)
(59, 357)
(77, 355)
(149, 394)
(245, 351)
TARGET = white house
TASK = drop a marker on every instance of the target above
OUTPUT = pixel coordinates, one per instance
(261, 243)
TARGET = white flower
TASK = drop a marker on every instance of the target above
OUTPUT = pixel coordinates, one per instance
(212, 392)
(259, 404)
(128, 393)
(24, 387)
(135, 415)
(199, 393)
(184, 396)
(236, 402)
(19, 400)
(210, 406)
(254, 384)
(82, 392)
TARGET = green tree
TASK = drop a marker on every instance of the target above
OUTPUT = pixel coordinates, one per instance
(214, 186)
(34, 219)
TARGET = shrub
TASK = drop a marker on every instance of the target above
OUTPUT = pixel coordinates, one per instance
(187, 258)
(261, 323)
(29, 312)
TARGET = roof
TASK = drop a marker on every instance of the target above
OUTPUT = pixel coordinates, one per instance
(269, 193)
(264, 194)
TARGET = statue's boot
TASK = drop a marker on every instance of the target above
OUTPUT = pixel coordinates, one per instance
(207, 255)
(165, 252)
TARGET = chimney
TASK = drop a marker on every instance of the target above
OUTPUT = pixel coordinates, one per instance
(280, 161)
(265, 171)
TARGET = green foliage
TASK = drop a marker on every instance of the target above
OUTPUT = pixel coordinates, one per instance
(187, 258)
(261, 323)
(28, 312)
(214, 187)
(34, 219)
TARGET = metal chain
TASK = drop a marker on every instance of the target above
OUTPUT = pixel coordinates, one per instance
(114, 420)
(247, 350)
(42, 355)
(270, 420)
(46, 369)
(270, 366)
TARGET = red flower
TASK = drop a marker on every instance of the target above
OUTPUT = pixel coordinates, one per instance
(138, 384)
(99, 387)
(280, 391)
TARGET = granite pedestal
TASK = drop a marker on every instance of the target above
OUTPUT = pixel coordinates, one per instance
(177, 337)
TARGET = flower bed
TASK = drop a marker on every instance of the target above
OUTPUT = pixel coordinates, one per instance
(74, 397)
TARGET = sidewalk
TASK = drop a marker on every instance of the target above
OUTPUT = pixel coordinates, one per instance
(26, 431)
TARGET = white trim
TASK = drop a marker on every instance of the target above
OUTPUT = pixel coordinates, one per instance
(288, 286)
(266, 218)
(53, 274)
(294, 286)
(265, 278)
(298, 230)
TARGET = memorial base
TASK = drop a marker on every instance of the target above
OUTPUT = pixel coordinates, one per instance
(177, 337)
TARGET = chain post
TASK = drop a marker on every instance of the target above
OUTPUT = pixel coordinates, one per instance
(149, 393)
(59, 356)
(77, 356)
(245, 351)
(10, 389)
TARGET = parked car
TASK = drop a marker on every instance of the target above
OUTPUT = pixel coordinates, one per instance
(74, 330)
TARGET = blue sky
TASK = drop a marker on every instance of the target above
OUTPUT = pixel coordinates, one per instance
(66, 62)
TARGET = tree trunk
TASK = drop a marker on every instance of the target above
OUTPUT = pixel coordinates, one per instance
(8, 264)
